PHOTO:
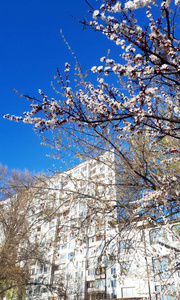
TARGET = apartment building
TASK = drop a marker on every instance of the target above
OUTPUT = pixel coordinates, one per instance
(76, 228)
(89, 255)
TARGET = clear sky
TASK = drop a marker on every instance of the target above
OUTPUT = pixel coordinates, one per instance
(31, 48)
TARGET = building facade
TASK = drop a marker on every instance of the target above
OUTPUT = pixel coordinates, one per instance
(89, 253)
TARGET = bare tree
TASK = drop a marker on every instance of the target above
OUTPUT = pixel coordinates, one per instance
(20, 247)
(137, 117)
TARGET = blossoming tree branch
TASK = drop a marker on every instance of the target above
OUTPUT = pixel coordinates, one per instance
(149, 65)
(136, 95)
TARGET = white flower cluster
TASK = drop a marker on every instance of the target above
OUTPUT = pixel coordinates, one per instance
(148, 57)
(136, 4)
(95, 14)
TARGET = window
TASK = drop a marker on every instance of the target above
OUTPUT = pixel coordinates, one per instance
(91, 272)
(100, 283)
(99, 259)
(78, 275)
(76, 287)
(165, 292)
(160, 267)
(113, 283)
(39, 271)
(99, 238)
(84, 168)
(45, 270)
(128, 292)
(126, 267)
(158, 235)
(125, 246)
(113, 271)
(39, 279)
(36, 291)
(33, 271)
(80, 288)
(64, 246)
(62, 256)
(81, 206)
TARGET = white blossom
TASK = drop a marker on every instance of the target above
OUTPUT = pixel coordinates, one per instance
(176, 109)
(102, 58)
(95, 14)
(94, 69)
(100, 68)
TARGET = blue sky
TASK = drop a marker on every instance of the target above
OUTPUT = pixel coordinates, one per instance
(31, 48)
